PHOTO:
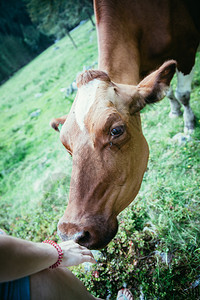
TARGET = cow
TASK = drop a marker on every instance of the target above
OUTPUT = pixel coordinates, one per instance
(141, 45)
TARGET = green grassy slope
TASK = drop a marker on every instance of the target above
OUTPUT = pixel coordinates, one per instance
(31, 152)
(35, 174)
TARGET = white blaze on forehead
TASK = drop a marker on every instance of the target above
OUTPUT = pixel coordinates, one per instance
(184, 81)
(85, 99)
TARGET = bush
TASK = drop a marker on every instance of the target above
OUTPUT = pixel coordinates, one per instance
(138, 259)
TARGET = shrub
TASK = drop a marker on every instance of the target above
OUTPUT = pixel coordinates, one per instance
(138, 259)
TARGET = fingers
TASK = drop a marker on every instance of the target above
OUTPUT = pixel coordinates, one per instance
(86, 252)
(71, 245)
(87, 255)
(89, 258)
(75, 254)
(81, 247)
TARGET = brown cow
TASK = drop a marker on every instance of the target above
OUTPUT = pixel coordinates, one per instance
(103, 129)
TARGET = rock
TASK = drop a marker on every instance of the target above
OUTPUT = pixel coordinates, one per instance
(63, 90)
(85, 68)
(166, 257)
(97, 254)
(181, 138)
(35, 113)
(87, 266)
(71, 89)
(38, 95)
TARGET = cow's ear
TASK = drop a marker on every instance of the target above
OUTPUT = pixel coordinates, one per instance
(153, 88)
(57, 122)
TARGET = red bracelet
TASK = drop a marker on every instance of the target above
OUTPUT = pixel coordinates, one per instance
(60, 253)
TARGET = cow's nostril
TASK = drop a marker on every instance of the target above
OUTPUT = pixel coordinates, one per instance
(83, 238)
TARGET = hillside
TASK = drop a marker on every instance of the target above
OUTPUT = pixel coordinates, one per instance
(35, 175)
(30, 150)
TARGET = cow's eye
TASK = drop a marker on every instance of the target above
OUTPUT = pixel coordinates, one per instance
(117, 131)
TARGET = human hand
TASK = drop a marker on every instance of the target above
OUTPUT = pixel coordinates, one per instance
(74, 254)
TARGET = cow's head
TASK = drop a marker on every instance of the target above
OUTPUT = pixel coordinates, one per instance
(103, 134)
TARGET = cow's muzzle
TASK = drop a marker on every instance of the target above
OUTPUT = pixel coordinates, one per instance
(95, 235)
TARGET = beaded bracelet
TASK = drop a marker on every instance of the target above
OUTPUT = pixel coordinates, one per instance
(60, 253)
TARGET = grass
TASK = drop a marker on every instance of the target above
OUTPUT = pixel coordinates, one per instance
(31, 153)
(171, 185)
(35, 173)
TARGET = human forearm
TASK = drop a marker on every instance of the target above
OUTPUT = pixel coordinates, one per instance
(19, 258)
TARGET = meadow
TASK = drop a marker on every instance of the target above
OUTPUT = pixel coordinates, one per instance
(156, 252)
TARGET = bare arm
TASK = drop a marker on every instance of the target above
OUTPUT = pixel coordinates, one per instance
(19, 258)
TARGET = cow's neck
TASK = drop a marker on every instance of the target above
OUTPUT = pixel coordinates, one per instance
(118, 55)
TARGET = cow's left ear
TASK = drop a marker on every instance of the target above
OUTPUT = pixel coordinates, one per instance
(57, 122)
(153, 88)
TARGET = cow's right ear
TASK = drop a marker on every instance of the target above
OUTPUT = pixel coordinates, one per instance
(153, 87)
(56, 122)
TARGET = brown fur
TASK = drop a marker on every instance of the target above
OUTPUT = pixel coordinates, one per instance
(135, 38)
(107, 171)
